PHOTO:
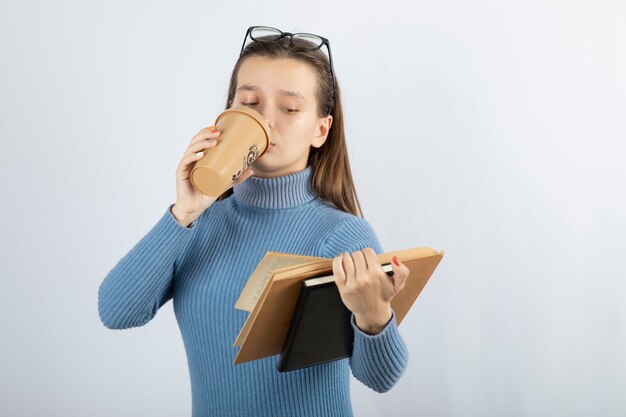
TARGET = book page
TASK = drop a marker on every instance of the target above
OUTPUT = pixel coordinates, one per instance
(261, 275)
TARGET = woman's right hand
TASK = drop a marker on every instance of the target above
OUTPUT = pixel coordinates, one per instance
(190, 203)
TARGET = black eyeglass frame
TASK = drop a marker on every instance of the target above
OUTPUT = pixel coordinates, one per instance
(291, 35)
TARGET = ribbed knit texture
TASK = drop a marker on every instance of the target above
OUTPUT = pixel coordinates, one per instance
(204, 268)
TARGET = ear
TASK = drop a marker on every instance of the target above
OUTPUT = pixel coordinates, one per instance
(321, 132)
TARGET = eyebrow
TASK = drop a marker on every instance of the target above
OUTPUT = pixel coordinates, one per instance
(289, 93)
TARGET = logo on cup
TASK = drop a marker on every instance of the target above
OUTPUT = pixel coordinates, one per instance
(253, 154)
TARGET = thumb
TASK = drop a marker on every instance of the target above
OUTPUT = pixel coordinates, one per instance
(400, 274)
(247, 174)
(244, 176)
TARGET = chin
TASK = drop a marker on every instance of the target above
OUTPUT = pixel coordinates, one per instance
(262, 164)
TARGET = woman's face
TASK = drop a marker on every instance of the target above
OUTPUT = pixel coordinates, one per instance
(283, 91)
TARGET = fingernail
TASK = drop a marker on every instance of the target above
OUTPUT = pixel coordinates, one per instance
(396, 260)
(215, 131)
(200, 153)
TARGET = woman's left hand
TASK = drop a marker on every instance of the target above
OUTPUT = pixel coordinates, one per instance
(366, 289)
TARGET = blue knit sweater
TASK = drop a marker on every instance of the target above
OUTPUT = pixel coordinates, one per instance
(203, 269)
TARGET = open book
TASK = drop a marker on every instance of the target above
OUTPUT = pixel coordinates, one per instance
(272, 292)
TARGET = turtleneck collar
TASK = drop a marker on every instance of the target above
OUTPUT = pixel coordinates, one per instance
(282, 192)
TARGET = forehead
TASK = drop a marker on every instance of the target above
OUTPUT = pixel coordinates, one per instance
(271, 75)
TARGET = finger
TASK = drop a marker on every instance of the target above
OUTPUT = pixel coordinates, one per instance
(201, 146)
(348, 267)
(206, 133)
(339, 273)
(206, 129)
(372, 262)
(375, 269)
(361, 272)
(211, 134)
(185, 165)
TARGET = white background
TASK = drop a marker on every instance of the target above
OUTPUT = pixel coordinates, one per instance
(492, 129)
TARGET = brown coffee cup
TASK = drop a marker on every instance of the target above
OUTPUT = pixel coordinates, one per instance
(244, 137)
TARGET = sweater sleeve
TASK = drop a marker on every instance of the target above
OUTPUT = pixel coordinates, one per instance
(142, 281)
(377, 360)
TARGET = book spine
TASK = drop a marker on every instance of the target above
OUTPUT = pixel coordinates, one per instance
(295, 320)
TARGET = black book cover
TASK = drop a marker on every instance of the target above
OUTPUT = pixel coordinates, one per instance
(320, 329)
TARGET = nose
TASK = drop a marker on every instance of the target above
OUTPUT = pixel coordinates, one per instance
(267, 115)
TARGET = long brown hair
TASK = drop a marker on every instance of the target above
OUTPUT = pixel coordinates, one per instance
(332, 178)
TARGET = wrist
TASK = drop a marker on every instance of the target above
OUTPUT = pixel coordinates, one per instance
(374, 323)
(181, 217)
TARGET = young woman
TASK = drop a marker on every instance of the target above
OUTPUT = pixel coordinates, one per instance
(297, 198)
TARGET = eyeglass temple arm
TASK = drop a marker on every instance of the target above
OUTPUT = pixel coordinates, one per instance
(245, 38)
(330, 58)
